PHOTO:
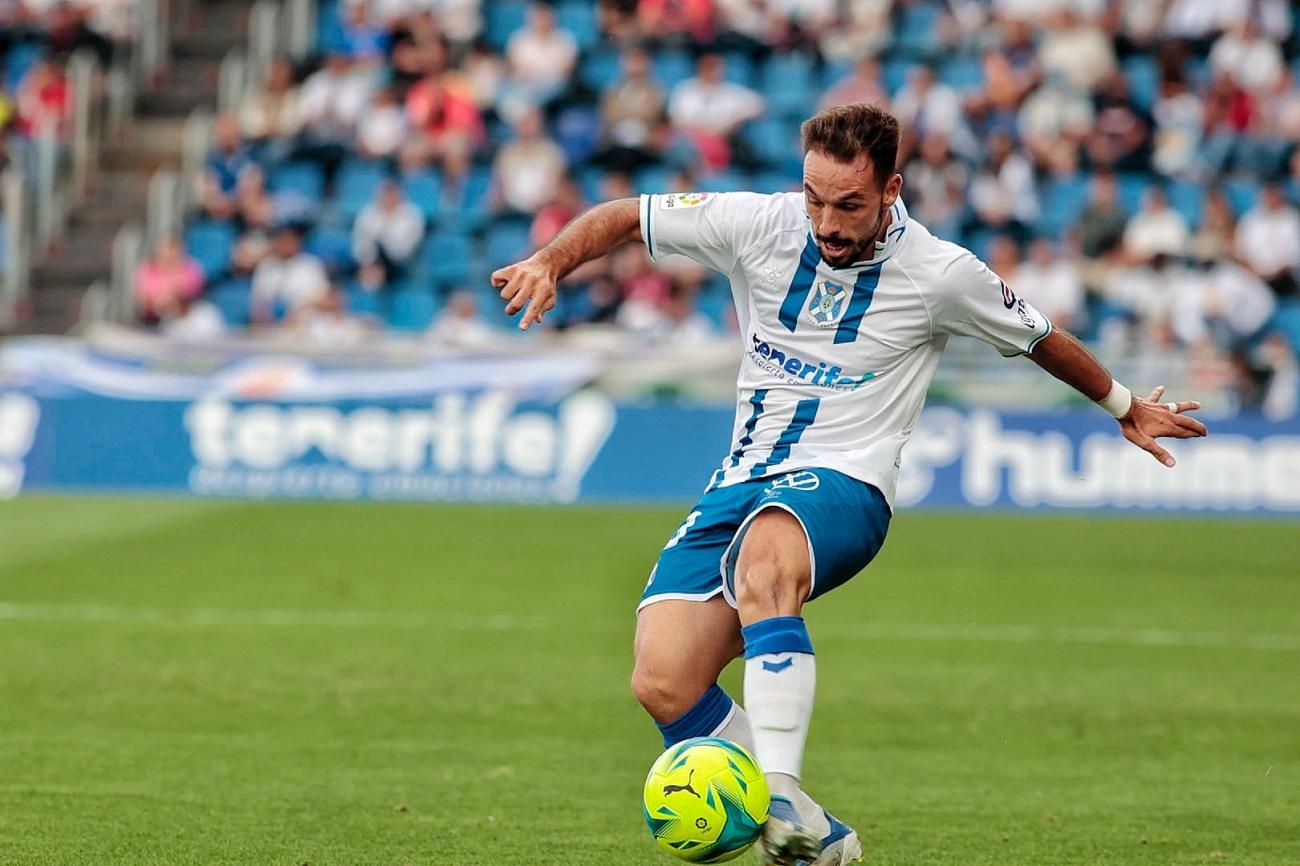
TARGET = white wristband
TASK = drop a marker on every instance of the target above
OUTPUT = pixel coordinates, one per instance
(1118, 401)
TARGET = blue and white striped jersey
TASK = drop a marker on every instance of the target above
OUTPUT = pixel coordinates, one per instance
(837, 360)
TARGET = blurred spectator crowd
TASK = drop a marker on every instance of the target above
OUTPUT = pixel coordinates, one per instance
(1131, 167)
(36, 39)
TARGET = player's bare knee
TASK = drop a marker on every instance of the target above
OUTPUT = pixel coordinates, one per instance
(664, 697)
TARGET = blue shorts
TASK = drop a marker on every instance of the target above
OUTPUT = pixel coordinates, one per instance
(845, 521)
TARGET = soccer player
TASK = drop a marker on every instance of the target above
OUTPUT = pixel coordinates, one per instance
(845, 305)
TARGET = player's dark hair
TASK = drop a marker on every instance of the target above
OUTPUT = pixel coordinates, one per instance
(847, 132)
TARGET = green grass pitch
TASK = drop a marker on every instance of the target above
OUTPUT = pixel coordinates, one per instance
(222, 683)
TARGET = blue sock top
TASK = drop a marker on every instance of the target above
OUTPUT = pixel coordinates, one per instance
(701, 720)
(780, 634)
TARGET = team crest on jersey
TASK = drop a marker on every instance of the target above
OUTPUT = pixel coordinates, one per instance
(685, 199)
(827, 304)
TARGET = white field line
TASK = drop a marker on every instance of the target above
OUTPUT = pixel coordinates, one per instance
(352, 619)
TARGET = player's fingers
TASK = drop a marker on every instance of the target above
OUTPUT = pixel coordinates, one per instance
(1184, 406)
(1157, 394)
(523, 293)
(534, 312)
(1193, 426)
(514, 284)
(1149, 445)
(501, 276)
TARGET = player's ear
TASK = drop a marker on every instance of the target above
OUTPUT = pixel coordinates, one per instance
(892, 188)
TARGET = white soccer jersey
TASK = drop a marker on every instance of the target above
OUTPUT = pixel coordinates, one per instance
(837, 360)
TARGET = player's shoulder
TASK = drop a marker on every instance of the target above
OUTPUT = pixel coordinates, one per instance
(935, 265)
(781, 206)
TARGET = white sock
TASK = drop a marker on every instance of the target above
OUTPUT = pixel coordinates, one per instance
(779, 689)
(737, 729)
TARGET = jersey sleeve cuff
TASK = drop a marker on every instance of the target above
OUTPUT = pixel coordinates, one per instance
(647, 228)
(1034, 344)
(1019, 353)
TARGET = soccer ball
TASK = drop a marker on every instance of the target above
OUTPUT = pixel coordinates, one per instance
(705, 800)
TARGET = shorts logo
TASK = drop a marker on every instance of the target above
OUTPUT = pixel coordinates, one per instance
(1008, 296)
(685, 199)
(827, 304)
(796, 481)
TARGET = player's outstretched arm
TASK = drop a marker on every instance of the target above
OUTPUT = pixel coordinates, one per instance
(1142, 421)
(532, 282)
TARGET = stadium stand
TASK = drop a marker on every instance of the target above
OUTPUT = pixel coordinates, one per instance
(1137, 146)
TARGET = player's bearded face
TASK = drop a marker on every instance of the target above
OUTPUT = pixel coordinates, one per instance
(848, 208)
(844, 247)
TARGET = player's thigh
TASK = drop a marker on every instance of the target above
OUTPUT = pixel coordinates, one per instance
(681, 647)
(839, 521)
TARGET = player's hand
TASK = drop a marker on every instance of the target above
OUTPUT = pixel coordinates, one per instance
(528, 283)
(1149, 420)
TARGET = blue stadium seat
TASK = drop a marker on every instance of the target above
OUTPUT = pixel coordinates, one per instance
(1132, 187)
(722, 181)
(362, 303)
(962, 73)
(411, 310)
(234, 299)
(330, 36)
(424, 189)
(1062, 199)
(577, 130)
(716, 308)
(774, 142)
(787, 82)
(507, 242)
(332, 245)
(22, 57)
(356, 183)
(502, 19)
(654, 180)
(775, 181)
(590, 179)
(1241, 193)
(211, 243)
(671, 68)
(738, 69)
(579, 18)
(304, 178)
(1143, 75)
(464, 206)
(833, 73)
(446, 258)
(895, 73)
(1287, 321)
(917, 29)
(599, 69)
(1186, 197)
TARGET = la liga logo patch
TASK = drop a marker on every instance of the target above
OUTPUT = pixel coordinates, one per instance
(685, 199)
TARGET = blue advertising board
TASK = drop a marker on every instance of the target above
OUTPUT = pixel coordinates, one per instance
(498, 446)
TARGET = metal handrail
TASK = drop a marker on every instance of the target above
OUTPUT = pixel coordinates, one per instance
(14, 286)
(194, 148)
(300, 27)
(162, 209)
(232, 83)
(128, 245)
(263, 40)
(153, 48)
(82, 72)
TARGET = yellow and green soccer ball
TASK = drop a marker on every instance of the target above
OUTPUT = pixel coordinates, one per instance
(706, 800)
